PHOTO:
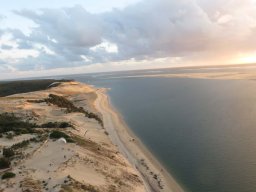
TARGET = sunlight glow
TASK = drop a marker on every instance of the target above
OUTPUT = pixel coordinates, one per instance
(248, 59)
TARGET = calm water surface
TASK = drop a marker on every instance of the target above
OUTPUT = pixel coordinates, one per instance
(203, 131)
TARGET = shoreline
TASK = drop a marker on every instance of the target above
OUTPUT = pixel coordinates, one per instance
(56, 146)
(155, 177)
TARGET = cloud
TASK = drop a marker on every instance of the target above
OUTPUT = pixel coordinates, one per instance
(6, 68)
(69, 33)
(159, 29)
(69, 27)
(6, 47)
(2, 62)
(1, 17)
(188, 29)
(1, 31)
(182, 28)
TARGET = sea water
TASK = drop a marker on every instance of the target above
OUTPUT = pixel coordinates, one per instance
(202, 131)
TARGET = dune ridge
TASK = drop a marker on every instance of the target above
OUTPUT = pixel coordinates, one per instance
(83, 159)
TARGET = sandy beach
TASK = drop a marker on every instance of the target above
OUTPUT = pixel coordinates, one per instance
(104, 154)
(82, 159)
(155, 178)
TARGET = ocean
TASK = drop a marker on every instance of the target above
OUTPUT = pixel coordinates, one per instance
(202, 130)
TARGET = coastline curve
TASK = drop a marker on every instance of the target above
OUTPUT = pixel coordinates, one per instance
(155, 177)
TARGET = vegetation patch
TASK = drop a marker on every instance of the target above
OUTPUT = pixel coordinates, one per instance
(56, 125)
(59, 134)
(8, 152)
(8, 175)
(76, 186)
(94, 116)
(30, 185)
(20, 145)
(10, 122)
(9, 136)
(94, 147)
(62, 102)
(4, 163)
(15, 87)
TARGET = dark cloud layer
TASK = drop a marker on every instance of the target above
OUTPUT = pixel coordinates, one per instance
(147, 30)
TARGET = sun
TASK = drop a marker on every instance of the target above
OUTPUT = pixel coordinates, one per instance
(248, 59)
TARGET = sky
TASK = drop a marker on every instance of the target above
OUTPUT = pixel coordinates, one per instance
(55, 37)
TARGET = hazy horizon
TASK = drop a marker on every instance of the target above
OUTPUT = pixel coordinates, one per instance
(227, 66)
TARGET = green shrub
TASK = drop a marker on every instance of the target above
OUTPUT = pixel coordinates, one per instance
(8, 175)
(91, 115)
(70, 107)
(64, 125)
(49, 125)
(4, 163)
(8, 152)
(9, 136)
(69, 140)
(10, 122)
(58, 134)
(56, 125)
(24, 86)
(63, 102)
(20, 145)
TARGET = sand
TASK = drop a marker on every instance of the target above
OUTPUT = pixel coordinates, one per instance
(109, 158)
(93, 161)
(155, 177)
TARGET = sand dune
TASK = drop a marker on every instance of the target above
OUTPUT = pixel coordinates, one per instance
(92, 162)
